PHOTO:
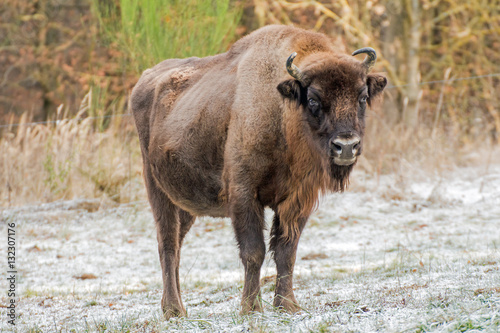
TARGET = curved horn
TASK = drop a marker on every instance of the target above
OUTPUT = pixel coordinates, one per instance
(370, 59)
(293, 70)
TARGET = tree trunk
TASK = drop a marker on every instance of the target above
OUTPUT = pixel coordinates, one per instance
(412, 90)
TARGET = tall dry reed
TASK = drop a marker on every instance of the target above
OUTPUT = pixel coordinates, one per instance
(71, 158)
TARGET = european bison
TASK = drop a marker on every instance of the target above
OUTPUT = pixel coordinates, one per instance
(275, 121)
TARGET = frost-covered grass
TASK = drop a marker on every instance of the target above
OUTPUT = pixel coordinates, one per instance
(388, 255)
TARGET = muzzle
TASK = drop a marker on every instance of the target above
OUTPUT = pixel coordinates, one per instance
(345, 148)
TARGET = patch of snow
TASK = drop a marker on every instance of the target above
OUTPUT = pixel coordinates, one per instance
(392, 257)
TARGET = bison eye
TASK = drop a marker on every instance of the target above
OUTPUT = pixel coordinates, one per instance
(363, 99)
(313, 106)
(313, 103)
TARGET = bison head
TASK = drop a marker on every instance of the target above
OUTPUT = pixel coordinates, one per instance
(332, 92)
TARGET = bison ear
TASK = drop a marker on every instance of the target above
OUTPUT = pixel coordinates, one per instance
(376, 83)
(290, 89)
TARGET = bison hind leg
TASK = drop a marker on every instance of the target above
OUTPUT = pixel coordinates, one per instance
(186, 221)
(171, 302)
(172, 224)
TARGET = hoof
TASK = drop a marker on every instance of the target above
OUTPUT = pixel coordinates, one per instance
(287, 304)
(247, 309)
(171, 312)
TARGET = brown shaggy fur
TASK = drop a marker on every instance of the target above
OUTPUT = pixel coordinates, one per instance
(231, 134)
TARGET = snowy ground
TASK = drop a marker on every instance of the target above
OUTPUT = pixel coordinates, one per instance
(390, 255)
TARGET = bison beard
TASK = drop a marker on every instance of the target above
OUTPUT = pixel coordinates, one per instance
(258, 126)
(340, 176)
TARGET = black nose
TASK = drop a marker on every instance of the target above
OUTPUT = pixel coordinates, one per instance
(345, 146)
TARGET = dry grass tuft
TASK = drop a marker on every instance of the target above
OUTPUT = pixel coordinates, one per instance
(91, 157)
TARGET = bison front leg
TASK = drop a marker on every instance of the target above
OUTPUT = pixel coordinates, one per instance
(248, 224)
(285, 250)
